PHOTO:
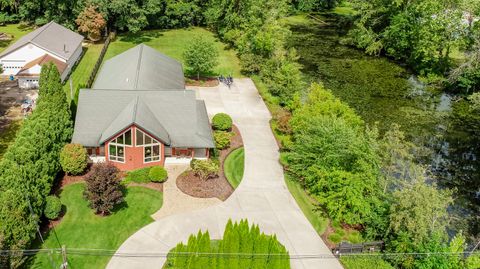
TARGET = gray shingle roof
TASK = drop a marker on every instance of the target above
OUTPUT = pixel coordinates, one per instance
(173, 116)
(53, 38)
(140, 68)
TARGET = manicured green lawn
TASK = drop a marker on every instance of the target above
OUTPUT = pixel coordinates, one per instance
(81, 228)
(233, 166)
(307, 204)
(173, 43)
(13, 29)
(82, 71)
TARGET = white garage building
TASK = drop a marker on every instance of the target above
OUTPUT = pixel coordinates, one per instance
(49, 43)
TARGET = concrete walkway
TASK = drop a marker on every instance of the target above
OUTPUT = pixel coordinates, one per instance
(174, 200)
(262, 196)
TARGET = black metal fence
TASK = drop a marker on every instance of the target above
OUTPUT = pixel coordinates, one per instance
(347, 248)
(100, 60)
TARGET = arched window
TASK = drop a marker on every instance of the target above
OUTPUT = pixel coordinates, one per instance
(151, 147)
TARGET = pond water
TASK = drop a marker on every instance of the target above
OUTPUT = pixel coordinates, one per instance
(383, 92)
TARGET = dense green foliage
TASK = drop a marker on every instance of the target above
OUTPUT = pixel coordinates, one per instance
(333, 157)
(103, 189)
(222, 139)
(313, 5)
(53, 207)
(255, 30)
(74, 159)
(158, 174)
(131, 15)
(31, 163)
(239, 239)
(234, 166)
(81, 227)
(201, 56)
(204, 169)
(222, 122)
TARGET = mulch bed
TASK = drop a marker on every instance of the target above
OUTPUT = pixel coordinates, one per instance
(218, 187)
(203, 82)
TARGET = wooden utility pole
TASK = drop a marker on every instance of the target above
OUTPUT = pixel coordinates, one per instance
(64, 257)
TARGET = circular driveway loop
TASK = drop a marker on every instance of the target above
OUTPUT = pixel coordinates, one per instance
(262, 196)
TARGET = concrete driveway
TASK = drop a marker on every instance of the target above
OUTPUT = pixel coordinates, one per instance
(262, 196)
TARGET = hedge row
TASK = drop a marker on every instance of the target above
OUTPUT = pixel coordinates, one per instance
(236, 250)
(30, 165)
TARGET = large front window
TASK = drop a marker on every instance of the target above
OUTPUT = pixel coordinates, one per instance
(116, 147)
(151, 147)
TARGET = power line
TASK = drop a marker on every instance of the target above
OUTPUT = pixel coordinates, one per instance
(107, 252)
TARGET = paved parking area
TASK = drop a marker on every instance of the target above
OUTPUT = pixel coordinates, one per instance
(262, 196)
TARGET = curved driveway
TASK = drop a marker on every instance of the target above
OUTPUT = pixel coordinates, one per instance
(262, 196)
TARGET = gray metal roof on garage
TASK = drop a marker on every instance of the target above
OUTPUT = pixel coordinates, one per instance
(140, 68)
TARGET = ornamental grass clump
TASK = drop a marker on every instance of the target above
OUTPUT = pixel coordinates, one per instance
(205, 169)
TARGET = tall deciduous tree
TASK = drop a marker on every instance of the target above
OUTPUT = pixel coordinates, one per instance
(201, 56)
(91, 22)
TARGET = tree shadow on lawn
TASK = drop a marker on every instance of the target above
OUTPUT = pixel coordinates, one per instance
(141, 37)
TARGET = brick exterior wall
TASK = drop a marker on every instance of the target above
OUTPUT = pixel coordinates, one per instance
(134, 155)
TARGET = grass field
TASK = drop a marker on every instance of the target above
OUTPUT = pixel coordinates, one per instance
(82, 71)
(234, 166)
(307, 204)
(81, 228)
(173, 43)
(13, 29)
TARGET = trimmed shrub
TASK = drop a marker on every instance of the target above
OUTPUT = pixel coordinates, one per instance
(237, 238)
(139, 175)
(222, 122)
(103, 189)
(53, 207)
(205, 169)
(158, 174)
(222, 139)
(73, 159)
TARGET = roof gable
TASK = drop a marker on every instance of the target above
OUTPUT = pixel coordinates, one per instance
(51, 37)
(174, 117)
(140, 68)
(61, 66)
(135, 113)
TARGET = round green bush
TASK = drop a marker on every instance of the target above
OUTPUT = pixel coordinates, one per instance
(222, 122)
(74, 159)
(222, 139)
(53, 207)
(158, 174)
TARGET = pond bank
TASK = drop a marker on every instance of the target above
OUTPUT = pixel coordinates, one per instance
(383, 92)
